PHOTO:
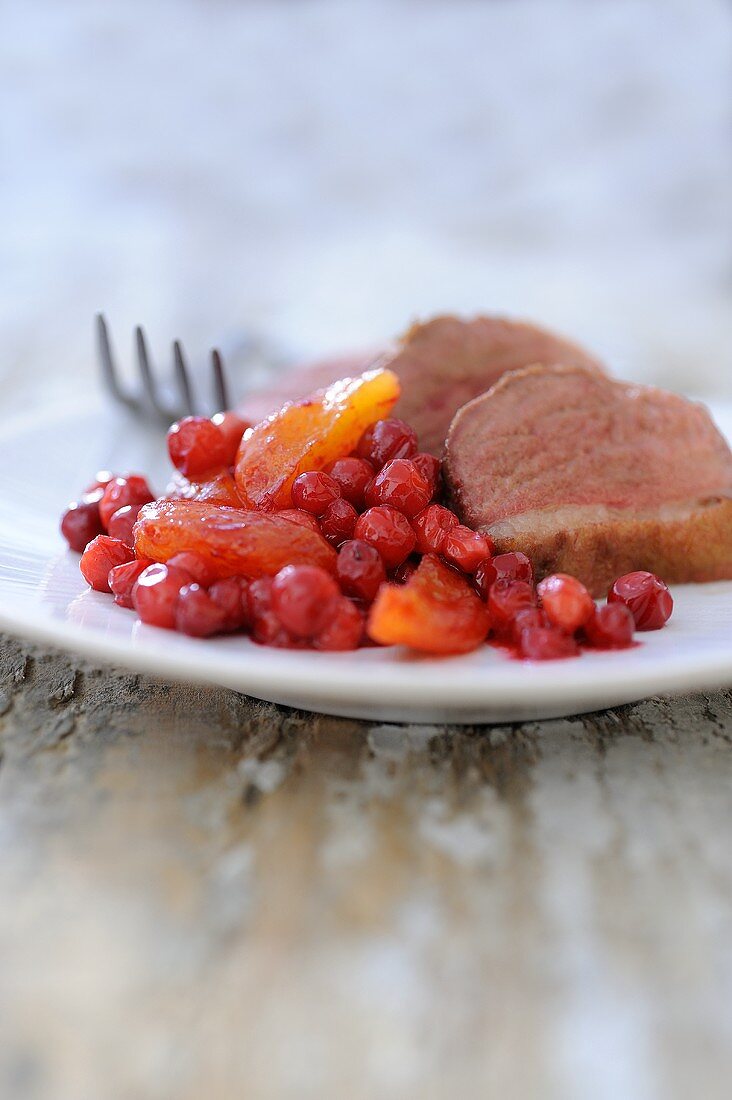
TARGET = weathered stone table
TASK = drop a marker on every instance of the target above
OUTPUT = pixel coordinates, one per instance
(204, 895)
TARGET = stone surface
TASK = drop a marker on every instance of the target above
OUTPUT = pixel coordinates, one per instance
(203, 894)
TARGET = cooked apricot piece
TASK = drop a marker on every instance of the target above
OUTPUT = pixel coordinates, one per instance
(310, 435)
(220, 488)
(233, 541)
(436, 611)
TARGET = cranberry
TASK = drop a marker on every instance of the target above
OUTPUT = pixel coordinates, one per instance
(540, 643)
(403, 572)
(122, 522)
(155, 595)
(195, 565)
(400, 484)
(338, 522)
(385, 440)
(121, 491)
(431, 526)
(297, 515)
(360, 570)
(647, 597)
(231, 595)
(505, 599)
(100, 556)
(389, 531)
(465, 548)
(352, 476)
(566, 601)
(513, 567)
(530, 617)
(101, 481)
(122, 579)
(81, 523)
(266, 627)
(302, 598)
(345, 628)
(611, 627)
(314, 491)
(232, 427)
(430, 469)
(197, 614)
(197, 445)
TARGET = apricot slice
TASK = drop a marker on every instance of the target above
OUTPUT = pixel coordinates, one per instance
(309, 435)
(220, 488)
(436, 611)
(233, 541)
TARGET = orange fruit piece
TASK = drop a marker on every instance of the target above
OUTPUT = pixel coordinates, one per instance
(436, 611)
(309, 435)
(220, 488)
(233, 541)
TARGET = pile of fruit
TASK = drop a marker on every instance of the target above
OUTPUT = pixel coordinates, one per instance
(323, 526)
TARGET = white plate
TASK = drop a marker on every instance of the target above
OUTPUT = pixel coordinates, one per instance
(46, 458)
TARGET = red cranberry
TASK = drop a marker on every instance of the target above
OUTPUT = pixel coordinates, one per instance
(266, 627)
(352, 475)
(122, 579)
(385, 440)
(314, 491)
(505, 599)
(360, 570)
(513, 567)
(338, 522)
(465, 548)
(566, 601)
(389, 531)
(302, 598)
(231, 595)
(101, 556)
(122, 491)
(431, 526)
(197, 445)
(122, 522)
(344, 628)
(81, 523)
(400, 484)
(545, 644)
(155, 595)
(430, 469)
(647, 597)
(196, 613)
(611, 627)
(232, 427)
(101, 481)
(195, 565)
(530, 617)
(297, 515)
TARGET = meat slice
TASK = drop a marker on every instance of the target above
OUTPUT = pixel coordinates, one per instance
(594, 477)
(442, 363)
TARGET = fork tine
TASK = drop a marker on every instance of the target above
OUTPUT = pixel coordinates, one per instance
(221, 389)
(109, 370)
(182, 378)
(148, 380)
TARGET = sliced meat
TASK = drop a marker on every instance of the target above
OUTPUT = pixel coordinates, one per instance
(441, 363)
(594, 477)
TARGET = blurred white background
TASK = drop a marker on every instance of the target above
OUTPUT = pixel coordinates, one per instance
(326, 171)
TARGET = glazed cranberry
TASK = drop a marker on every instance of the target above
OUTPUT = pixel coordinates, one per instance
(465, 548)
(196, 613)
(344, 628)
(505, 599)
(81, 523)
(385, 440)
(546, 644)
(122, 491)
(101, 556)
(389, 532)
(155, 595)
(431, 526)
(101, 481)
(399, 484)
(403, 572)
(232, 427)
(647, 597)
(611, 627)
(338, 522)
(352, 475)
(195, 565)
(430, 469)
(297, 515)
(122, 521)
(513, 567)
(530, 617)
(122, 579)
(266, 627)
(231, 596)
(314, 491)
(566, 601)
(302, 599)
(197, 445)
(360, 570)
